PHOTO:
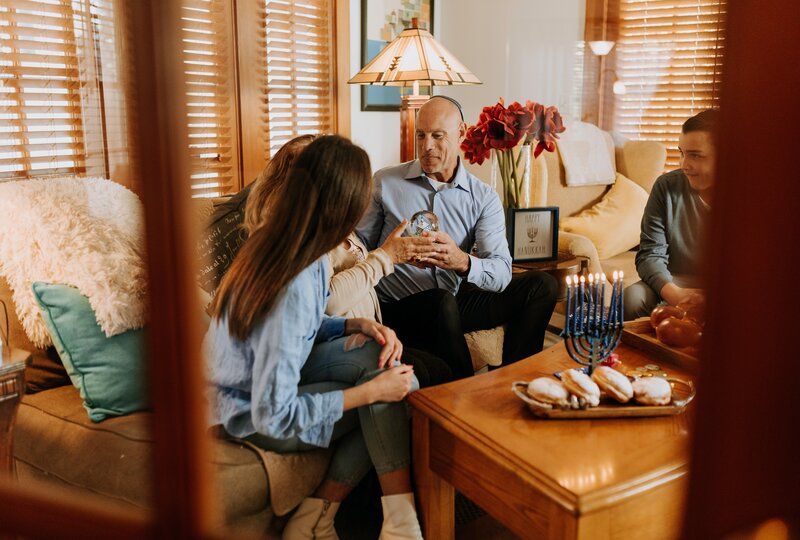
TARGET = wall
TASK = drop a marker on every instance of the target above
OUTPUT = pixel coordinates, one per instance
(520, 49)
(378, 132)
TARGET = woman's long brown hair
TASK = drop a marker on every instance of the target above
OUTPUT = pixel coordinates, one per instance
(270, 180)
(325, 194)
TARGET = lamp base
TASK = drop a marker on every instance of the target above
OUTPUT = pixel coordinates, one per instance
(408, 124)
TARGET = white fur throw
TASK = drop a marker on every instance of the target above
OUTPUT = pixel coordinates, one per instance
(84, 232)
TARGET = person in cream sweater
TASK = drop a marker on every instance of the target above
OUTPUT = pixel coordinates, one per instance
(356, 271)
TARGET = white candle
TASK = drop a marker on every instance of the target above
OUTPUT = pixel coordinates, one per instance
(582, 302)
(570, 315)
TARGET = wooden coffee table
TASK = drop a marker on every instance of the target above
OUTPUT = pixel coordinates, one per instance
(610, 478)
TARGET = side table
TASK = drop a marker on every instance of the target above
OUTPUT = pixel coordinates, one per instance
(565, 265)
(12, 387)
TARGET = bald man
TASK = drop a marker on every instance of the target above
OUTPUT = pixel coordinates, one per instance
(451, 290)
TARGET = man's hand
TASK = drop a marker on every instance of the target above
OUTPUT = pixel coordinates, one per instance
(406, 249)
(392, 348)
(675, 295)
(446, 254)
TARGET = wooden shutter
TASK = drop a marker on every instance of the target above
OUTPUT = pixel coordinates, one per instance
(300, 81)
(669, 58)
(41, 131)
(209, 60)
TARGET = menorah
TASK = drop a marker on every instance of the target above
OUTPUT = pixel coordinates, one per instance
(593, 330)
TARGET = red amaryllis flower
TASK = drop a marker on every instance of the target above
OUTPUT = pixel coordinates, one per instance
(475, 151)
(501, 128)
(520, 118)
(492, 113)
(551, 126)
(500, 135)
(537, 112)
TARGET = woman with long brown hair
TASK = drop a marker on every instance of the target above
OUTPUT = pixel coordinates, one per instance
(355, 270)
(284, 375)
(233, 221)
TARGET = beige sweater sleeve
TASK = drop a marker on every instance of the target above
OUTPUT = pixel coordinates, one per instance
(351, 286)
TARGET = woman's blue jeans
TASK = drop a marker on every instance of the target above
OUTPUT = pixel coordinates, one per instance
(373, 435)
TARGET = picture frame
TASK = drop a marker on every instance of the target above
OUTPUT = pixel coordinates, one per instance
(381, 22)
(533, 233)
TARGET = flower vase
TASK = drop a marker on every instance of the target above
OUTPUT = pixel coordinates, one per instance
(511, 175)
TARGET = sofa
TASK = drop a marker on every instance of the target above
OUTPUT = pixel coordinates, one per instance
(55, 441)
(640, 161)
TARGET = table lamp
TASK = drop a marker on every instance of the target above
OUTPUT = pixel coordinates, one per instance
(413, 58)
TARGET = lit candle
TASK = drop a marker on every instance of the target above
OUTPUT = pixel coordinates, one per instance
(590, 310)
(597, 302)
(612, 311)
(569, 306)
(582, 302)
(621, 297)
(602, 300)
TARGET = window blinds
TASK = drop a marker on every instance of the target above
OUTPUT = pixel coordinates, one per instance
(41, 127)
(299, 89)
(64, 86)
(208, 60)
(669, 58)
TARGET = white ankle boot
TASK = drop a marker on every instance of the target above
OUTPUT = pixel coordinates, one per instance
(313, 520)
(400, 518)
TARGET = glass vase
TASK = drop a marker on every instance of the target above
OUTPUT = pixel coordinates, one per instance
(511, 176)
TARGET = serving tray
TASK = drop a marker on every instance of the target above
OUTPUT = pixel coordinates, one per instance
(640, 335)
(682, 394)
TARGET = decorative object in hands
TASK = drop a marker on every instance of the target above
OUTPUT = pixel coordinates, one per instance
(592, 329)
(423, 221)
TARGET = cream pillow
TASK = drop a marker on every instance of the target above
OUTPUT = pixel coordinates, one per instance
(613, 224)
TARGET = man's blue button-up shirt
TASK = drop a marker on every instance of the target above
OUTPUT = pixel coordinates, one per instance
(469, 211)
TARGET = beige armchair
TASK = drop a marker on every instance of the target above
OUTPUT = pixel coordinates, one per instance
(641, 161)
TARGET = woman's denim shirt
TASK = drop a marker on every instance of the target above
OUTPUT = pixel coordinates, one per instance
(255, 381)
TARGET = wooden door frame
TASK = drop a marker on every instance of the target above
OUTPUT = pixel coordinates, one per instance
(183, 502)
(183, 497)
(745, 463)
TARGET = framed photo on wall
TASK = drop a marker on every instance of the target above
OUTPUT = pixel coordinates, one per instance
(533, 234)
(381, 22)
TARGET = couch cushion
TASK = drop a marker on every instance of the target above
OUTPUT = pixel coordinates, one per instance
(642, 161)
(54, 436)
(570, 200)
(45, 370)
(108, 371)
(613, 224)
(624, 262)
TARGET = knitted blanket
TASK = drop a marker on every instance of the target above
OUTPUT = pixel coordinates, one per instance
(84, 232)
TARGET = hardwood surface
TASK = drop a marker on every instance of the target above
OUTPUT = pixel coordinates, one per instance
(12, 387)
(547, 478)
(565, 262)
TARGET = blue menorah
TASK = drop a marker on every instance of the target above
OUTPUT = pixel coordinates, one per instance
(592, 329)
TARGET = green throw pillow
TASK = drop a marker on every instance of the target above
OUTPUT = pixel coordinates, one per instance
(108, 371)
